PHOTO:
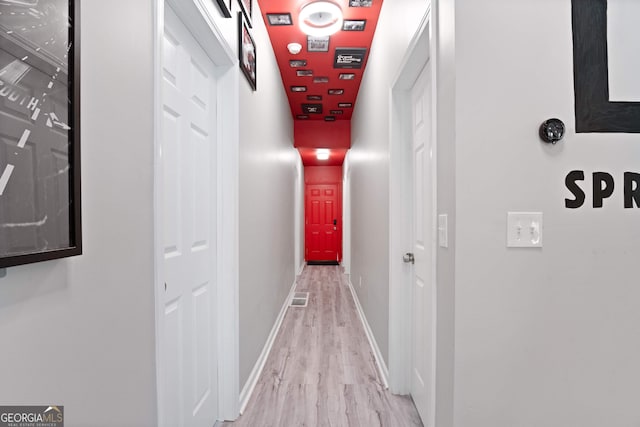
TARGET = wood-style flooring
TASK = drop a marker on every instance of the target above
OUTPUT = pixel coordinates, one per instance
(321, 370)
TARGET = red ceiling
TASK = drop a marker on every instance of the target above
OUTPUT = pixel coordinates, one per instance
(334, 107)
(336, 157)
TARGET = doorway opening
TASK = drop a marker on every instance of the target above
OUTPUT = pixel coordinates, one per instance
(413, 213)
(323, 215)
(196, 257)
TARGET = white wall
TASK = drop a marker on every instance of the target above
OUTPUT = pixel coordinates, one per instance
(80, 332)
(369, 163)
(544, 337)
(299, 217)
(268, 170)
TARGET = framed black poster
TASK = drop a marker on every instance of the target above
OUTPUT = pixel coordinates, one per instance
(39, 131)
(349, 57)
(247, 51)
(595, 112)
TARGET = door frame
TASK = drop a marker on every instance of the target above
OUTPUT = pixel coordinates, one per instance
(418, 56)
(197, 15)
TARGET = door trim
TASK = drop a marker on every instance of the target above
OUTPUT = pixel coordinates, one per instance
(196, 14)
(400, 188)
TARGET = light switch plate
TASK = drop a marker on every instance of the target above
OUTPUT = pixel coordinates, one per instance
(443, 232)
(524, 229)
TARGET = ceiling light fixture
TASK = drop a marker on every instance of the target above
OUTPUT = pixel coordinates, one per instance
(294, 48)
(322, 154)
(320, 18)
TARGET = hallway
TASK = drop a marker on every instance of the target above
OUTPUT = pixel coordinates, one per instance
(321, 370)
(527, 324)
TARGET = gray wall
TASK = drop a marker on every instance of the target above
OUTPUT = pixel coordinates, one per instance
(544, 337)
(444, 57)
(80, 332)
(526, 337)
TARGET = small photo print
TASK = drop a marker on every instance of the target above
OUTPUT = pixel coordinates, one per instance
(360, 3)
(279, 19)
(321, 79)
(304, 73)
(312, 108)
(345, 105)
(317, 44)
(297, 63)
(347, 76)
(298, 88)
(354, 24)
(314, 97)
(336, 91)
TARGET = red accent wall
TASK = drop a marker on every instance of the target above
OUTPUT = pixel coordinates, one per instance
(321, 134)
(322, 174)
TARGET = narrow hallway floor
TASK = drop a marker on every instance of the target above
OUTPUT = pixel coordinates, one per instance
(321, 370)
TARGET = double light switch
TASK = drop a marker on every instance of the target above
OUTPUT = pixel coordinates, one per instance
(524, 229)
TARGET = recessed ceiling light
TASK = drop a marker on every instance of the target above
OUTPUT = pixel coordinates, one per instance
(320, 18)
(322, 154)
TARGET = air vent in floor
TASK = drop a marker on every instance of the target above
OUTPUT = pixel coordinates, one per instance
(300, 299)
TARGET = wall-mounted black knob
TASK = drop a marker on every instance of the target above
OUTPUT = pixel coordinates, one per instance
(552, 130)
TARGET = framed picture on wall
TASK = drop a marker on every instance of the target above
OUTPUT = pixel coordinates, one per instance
(39, 131)
(225, 7)
(247, 9)
(247, 51)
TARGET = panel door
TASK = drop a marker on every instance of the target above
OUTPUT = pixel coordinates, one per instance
(423, 247)
(323, 219)
(188, 383)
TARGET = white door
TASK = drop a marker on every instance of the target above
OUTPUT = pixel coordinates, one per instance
(423, 247)
(188, 377)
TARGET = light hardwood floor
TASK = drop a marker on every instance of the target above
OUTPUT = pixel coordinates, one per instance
(321, 370)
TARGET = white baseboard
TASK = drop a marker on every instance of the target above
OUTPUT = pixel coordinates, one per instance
(250, 385)
(382, 367)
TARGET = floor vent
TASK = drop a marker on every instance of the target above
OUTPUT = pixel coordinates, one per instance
(300, 299)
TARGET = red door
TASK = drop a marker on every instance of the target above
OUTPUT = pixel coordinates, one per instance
(323, 219)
